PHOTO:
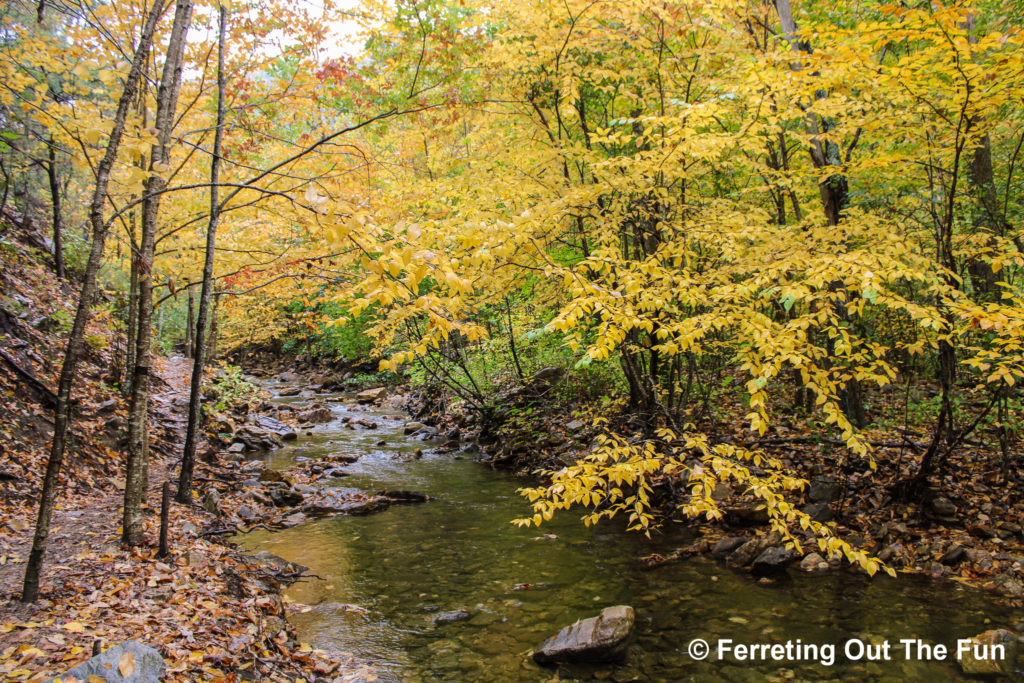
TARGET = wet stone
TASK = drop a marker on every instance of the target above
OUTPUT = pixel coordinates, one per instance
(773, 561)
(813, 562)
(725, 547)
(982, 657)
(452, 616)
(943, 507)
(602, 638)
(954, 555)
(745, 554)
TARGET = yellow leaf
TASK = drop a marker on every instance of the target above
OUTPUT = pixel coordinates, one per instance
(74, 627)
(92, 136)
(127, 664)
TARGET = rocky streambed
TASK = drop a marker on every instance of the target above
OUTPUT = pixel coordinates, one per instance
(449, 590)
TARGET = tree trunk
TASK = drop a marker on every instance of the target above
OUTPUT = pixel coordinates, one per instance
(188, 457)
(136, 479)
(211, 346)
(76, 341)
(133, 284)
(58, 228)
(133, 316)
(190, 336)
(835, 196)
(987, 216)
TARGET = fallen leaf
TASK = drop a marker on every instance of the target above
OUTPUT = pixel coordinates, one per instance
(127, 664)
(74, 627)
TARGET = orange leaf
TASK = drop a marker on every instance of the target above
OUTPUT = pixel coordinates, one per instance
(127, 664)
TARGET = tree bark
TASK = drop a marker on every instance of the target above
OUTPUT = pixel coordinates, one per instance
(58, 228)
(189, 324)
(136, 479)
(133, 315)
(76, 341)
(211, 346)
(987, 217)
(188, 457)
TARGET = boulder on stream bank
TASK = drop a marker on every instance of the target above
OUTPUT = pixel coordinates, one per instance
(604, 638)
(773, 560)
(371, 396)
(129, 662)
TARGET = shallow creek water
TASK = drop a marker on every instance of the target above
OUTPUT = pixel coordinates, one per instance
(387, 576)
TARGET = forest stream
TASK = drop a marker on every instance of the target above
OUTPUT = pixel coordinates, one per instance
(388, 582)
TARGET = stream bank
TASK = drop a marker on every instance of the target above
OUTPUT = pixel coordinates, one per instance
(388, 586)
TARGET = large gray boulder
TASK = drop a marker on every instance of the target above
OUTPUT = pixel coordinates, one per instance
(141, 663)
(604, 638)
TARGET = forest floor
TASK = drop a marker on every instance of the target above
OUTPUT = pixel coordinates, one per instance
(214, 613)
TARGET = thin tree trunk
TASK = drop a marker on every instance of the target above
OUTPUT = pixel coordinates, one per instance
(7, 185)
(33, 568)
(190, 336)
(211, 346)
(133, 315)
(58, 228)
(133, 282)
(188, 457)
(512, 339)
(136, 479)
(987, 216)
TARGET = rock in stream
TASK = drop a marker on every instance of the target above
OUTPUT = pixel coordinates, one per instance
(604, 638)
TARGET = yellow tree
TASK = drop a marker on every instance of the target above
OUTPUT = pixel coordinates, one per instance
(616, 151)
